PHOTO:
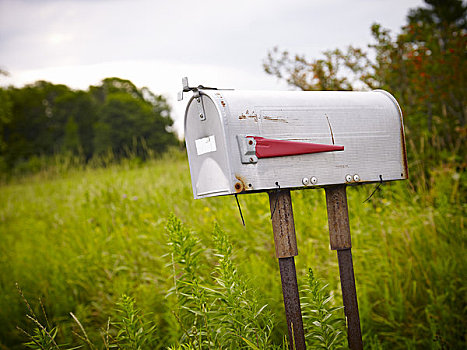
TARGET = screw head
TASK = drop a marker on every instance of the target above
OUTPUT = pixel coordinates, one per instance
(305, 181)
(251, 160)
(313, 180)
(348, 178)
(356, 178)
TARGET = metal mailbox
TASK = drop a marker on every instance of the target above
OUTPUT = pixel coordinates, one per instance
(240, 141)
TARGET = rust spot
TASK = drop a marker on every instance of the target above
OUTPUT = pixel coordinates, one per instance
(275, 119)
(247, 114)
(240, 186)
(223, 103)
(254, 117)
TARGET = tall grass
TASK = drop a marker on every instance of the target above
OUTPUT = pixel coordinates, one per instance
(219, 311)
(80, 239)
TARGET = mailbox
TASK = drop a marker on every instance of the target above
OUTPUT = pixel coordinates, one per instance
(241, 141)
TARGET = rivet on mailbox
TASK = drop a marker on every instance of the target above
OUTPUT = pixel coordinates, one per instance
(273, 140)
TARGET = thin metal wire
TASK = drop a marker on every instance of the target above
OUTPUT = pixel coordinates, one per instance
(376, 189)
(277, 198)
(239, 209)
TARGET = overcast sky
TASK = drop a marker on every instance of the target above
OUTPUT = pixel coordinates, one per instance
(155, 43)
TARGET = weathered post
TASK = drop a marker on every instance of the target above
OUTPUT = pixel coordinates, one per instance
(339, 235)
(285, 243)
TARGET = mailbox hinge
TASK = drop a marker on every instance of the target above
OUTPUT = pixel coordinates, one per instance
(199, 103)
(197, 95)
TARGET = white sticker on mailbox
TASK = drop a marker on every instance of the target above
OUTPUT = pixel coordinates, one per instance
(206, 145)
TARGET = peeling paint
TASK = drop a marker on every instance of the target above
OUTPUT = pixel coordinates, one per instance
(275, 119)
(248, 115)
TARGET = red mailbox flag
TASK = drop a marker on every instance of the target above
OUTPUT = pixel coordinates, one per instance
(267, 148)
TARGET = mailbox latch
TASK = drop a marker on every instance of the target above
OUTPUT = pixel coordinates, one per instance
(247, 145)
(254, 147)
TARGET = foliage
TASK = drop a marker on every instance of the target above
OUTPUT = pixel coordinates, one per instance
(323, 323)
(133, 333)
(424, 66)
(43, 336)
(226, 314)
(5, 118)
(241, 317)
(44, 119)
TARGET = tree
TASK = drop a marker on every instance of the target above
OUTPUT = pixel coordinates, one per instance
(424, 67)
(71, 141)
(45, 119)
(82, 109)
(131, 118)
(34, 127)
(5, 118)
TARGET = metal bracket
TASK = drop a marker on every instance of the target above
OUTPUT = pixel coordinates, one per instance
(199, 103)
(196, 94)
(247, 146)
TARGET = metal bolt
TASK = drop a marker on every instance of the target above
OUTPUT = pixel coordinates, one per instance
(251, 160)
(313, 180)
(305, 181)
(348, 178)
(356, 178)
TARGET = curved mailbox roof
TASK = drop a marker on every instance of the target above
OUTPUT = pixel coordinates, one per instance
(360, 136)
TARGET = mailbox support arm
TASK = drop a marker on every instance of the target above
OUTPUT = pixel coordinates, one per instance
(285, 243)
(339, 234)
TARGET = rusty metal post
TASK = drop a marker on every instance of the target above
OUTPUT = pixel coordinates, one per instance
(339, 235)
(285, 242)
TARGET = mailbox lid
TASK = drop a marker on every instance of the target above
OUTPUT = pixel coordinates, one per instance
(368, 125)
(206, 147)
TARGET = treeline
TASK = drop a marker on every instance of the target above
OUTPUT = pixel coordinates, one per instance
(44, 119)
(424, 67)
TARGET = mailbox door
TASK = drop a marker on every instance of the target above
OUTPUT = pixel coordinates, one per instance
(207, 151)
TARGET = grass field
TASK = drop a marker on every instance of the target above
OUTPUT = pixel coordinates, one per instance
(80, 239)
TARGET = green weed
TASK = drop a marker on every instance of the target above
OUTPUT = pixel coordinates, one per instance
(323, 323)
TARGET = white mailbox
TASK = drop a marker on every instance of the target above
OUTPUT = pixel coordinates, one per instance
(240, 141)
